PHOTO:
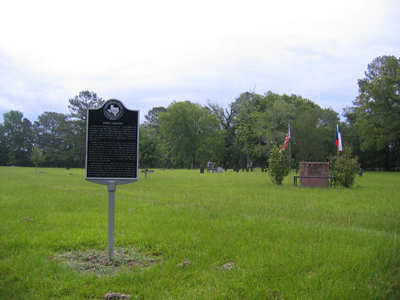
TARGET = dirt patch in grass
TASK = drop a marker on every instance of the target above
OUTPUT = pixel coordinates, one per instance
(97, 261)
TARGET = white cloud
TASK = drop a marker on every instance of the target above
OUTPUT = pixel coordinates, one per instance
(176, 50)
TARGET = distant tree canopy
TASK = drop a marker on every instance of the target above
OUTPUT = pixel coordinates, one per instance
(192, 133)
(78, 107)
(376, 115)
(189, 134)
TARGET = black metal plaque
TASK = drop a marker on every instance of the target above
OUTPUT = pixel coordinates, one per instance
(314, 170)
(112, 140)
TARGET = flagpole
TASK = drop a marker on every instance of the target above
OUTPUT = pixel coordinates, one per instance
(287, 139)
(339, 138)
(290, 153)
(338, 141)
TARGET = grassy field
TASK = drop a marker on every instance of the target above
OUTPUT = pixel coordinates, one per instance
(185, 235)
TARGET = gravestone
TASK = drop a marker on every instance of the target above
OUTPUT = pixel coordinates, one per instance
(318, 173)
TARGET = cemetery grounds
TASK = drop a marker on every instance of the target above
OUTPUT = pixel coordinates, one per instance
(185, 235)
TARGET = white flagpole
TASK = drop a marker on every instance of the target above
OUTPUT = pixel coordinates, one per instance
(290, 153)
(339, 141)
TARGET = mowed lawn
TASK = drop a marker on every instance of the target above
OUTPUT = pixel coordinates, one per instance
(198, 236)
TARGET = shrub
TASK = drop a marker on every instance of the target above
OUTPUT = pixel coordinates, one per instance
(278, 165)
(344, 169)
(37, 156)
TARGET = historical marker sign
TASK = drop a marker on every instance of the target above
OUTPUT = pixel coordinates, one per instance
(112, 147)
(112, 137)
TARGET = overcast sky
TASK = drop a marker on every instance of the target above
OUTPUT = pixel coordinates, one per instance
(150, 53)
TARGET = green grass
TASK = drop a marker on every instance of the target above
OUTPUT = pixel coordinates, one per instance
(284, 242)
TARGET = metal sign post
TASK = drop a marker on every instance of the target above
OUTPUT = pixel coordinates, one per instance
(112, 187)
(112, 147)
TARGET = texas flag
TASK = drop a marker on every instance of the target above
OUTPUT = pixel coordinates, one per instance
(338, 139)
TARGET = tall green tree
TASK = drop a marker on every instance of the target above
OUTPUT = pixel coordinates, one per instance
(50, 129)
(226, 119)
(192, 132)
(17, 136)
(50, 134)
(250, 136)
(370, 158)
(152, 116)
(3, 147)
(153, 124)
(149, 146)
(277, 113)
(378, 104)
(250, 124)
(78, 107)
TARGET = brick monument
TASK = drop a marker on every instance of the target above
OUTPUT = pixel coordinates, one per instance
(318, 173)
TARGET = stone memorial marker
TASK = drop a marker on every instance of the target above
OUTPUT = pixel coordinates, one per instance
(314, 174)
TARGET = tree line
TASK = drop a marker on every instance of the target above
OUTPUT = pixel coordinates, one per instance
(61, 137)
(187, 134)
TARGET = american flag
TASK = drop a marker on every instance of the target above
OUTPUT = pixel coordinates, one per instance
(287, 138)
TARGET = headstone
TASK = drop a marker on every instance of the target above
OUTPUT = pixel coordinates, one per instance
(209, 166)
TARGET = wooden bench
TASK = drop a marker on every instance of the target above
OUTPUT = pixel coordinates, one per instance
(331, 179)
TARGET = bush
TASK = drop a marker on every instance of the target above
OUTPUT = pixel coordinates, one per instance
(278, 165)
(345, 169)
